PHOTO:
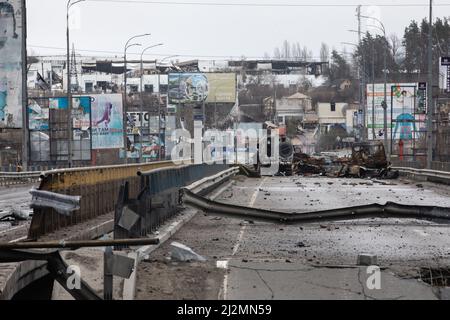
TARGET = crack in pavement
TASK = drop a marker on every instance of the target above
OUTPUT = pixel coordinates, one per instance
(335, 288)
(266, 284)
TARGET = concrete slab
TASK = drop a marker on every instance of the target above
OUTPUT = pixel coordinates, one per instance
(280, 280)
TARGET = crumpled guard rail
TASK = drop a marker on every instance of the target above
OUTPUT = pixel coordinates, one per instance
(388, 210)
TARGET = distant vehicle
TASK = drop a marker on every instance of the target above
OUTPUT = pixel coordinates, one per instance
(286, 156)
(369, 154)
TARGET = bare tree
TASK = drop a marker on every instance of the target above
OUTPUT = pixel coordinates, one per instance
(324, 52)
(396, 47)
(277, 53)
(286, 49)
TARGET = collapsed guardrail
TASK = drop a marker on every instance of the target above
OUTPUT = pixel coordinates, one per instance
(388, 210)
(98, 188)
(158, 199)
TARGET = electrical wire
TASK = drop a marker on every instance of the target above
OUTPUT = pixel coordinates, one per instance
(279, 5)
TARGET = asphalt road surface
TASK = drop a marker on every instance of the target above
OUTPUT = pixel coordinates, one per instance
(256, 260)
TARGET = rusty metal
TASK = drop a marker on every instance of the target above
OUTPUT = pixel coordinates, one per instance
(72, 245)
(388, 210)
(98, 188)
(369, 154)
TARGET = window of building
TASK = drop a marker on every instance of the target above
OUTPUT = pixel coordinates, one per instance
(134, 88)
(163, 88)
(102, 85)
(148, 88)
(88, 87)
(333, 107)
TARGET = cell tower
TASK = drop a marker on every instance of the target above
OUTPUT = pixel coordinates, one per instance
(73, 70)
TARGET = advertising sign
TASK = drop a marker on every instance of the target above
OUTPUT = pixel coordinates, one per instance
(107, 121)
(38, 116)
(444, 74)
(202, 87)
(81, 117)
(401, 108)
(11, 37)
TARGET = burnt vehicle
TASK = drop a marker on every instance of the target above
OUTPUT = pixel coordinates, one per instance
(369, 154)
(286, 156)
(368, 159)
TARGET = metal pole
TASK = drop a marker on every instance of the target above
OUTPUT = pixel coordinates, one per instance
(142, 110)
(430, 91)
(25, 137)
(125, 122)
(373, 91)
(361, 82)
(385, 101)
(107, 274)
(69, 245)
(69, 91)
(69, 85)
(125, 136)
(159, 119)
(141, 158)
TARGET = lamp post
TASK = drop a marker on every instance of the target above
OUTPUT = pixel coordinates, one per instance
(69, 85)
(384, 104)
(141, 96)
(361, 76)
(362, 90)
(430, 107)
(127, 46)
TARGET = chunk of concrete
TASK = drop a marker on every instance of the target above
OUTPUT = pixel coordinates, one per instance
(183, 253)
(367, 259)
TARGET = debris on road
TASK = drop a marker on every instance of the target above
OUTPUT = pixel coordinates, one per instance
(183, 253)
(366, 259)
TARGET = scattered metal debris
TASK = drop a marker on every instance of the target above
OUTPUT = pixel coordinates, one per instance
(183, 253)
(63, 204)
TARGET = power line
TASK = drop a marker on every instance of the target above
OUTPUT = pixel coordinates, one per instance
(163, 54)
(280, 5)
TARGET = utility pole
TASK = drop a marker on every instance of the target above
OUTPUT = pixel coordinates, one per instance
(430, 91)
(141, 156)
(69, 93)
(373, 91)
(361, 81)
(25, 124)
(125, 109)
(384, 103)
(69, 86)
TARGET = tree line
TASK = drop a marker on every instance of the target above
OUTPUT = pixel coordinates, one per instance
(403, 56)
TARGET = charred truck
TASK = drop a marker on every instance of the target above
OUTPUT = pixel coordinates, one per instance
(285, 153)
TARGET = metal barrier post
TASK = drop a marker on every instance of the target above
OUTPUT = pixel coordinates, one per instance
(108, 276)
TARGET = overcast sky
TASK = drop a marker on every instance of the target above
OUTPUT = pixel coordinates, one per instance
(222, 31)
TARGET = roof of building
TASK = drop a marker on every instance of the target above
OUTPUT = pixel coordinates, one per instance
(298, 95)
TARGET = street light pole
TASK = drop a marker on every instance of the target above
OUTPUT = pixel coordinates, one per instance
(142, 99)
(69, 85)
(430, 92)
(384, 104)
(127, 46)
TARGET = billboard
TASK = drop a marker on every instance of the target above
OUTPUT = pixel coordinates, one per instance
(11, 53)
(405, 115)
(202, 87)
(107, 121)
(444, 74)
